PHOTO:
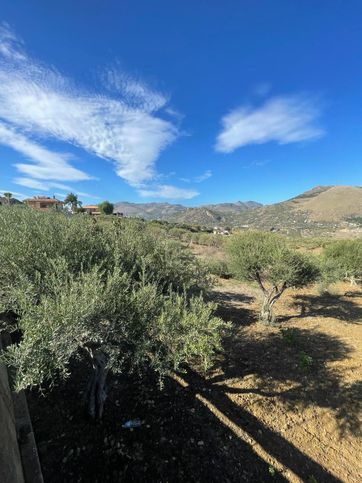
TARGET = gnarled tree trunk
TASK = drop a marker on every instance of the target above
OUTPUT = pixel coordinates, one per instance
(269, 298)
(96, 392)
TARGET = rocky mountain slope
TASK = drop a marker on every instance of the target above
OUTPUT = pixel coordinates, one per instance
(323, 208)
(207, 215)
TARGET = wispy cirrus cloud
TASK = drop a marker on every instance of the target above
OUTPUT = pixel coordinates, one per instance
(285, 119)
(168, 192)
(198, 179)
(14, 193)
(122, 125)
(49, 185)
(46, 164)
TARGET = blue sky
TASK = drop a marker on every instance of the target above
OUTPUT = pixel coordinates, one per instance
(190, 102)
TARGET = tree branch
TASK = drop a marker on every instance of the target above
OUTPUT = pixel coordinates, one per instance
(260, 283)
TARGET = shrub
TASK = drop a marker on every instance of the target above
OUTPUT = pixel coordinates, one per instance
(342, 260)
(219, 268)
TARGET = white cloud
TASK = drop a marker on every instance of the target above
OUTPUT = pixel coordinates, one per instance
(284, 120)
(47, 164)
(48, 186)
(203, 177)
(198, 179)
(168, 191)
(14, 193)
(123, 128)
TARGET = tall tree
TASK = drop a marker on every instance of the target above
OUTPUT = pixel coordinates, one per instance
(72, 201)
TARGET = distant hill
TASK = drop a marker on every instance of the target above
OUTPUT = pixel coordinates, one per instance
(321, 209)
(149, 211)
(208, 215)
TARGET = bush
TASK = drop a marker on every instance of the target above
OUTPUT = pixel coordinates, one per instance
(342, 260)
(219, 268)
(112, 292)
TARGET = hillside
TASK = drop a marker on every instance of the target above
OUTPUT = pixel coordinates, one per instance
(319, 210)
(207, 215)
(149, 211)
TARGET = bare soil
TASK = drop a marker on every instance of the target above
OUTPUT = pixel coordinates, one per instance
(282, 403)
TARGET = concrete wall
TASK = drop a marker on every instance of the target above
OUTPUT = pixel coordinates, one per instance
(10, 462)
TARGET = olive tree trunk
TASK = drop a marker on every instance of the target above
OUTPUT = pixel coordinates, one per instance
(269, 298)
(96, 391)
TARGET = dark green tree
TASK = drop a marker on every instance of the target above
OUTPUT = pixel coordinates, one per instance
(72, 201)
(106, 208)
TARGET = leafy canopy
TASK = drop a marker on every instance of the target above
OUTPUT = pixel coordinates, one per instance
(106, 208)
(343, 259)
(77, 285)
(265, 256)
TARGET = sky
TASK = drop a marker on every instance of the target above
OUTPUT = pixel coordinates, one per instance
(180, 101)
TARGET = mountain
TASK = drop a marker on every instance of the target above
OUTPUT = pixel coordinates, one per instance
(149, 211)
(321, 209)
(208, 215)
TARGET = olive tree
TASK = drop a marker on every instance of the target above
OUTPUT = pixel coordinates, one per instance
(112, 294)
(106, 208)
(265, 258)
(342, 260)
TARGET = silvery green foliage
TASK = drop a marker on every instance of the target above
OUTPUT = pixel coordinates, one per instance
(76, 286)
(342, 260)
(266, 259)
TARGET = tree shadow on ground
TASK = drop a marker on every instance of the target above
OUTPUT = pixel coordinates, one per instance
(229, 307)
(180, 439)
(273, 443)
(298, 358)
(326, 305)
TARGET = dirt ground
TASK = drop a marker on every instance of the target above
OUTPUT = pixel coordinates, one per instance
(282, 403)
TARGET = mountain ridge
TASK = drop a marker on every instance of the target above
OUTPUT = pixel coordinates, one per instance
(322, 207)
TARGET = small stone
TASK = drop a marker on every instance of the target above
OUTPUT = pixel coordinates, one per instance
(200, 443)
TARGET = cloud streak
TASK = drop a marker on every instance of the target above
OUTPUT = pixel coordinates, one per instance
(122, 126)
(168, 192)
(48, 186)
(198, 179)
(284, 120)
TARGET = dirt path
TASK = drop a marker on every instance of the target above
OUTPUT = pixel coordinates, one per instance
(301, 379)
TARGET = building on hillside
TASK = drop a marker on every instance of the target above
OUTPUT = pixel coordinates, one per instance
(44, 203)
(91, 210)
(220, 231)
